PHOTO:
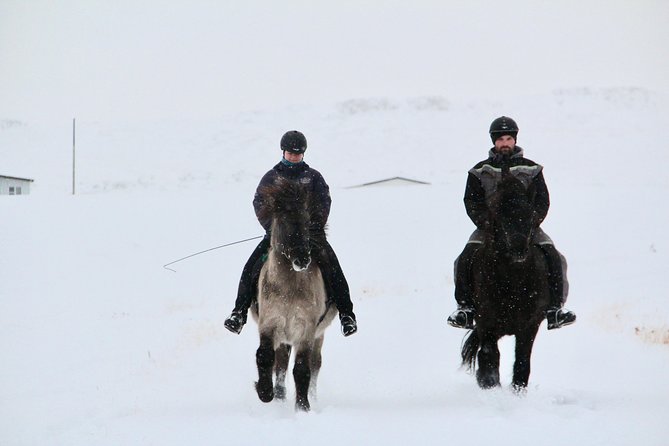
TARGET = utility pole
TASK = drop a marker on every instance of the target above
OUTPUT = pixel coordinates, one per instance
(73, 154)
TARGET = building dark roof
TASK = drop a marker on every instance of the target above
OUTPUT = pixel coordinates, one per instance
(16, 178)
(393, 179)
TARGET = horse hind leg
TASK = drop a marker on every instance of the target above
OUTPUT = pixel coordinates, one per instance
(265, 363)
(280, 369)
(487, 374)
(302, 376)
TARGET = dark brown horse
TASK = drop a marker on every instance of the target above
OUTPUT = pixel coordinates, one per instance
(292, 310)
(510, 283)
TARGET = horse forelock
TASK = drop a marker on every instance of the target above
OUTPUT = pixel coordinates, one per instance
(284, 198)
(511, 196)
(287, 207)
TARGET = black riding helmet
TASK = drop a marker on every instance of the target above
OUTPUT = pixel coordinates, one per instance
(293, 142)
(503, 126)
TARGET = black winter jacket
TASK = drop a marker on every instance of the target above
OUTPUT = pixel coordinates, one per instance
(483, 179)
(301, 172)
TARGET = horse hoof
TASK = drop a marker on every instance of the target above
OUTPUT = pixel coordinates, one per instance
(488, 382)
(519, 389)
(265, 393)
(302, 406)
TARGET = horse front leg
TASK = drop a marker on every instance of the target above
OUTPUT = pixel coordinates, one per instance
(521, 365)
(316, 361)
(302, 376)
(265, 362)
(280, 369)
(487, 374)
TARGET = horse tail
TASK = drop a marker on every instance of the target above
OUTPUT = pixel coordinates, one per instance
(470, 347)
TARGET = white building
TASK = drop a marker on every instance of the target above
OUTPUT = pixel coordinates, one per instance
(14, 185)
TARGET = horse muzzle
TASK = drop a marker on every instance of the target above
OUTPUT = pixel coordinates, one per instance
(299, 258)
(301, 264)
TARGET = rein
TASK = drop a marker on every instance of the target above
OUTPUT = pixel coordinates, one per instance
(327, 308)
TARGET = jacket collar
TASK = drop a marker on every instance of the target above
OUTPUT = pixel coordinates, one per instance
(289, 169)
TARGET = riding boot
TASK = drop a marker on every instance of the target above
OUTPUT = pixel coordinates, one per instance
(463, 317)
(248, 287)
(235, 322)
(336, 287)
(556, 316)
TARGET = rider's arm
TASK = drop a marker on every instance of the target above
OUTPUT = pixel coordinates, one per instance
(542, 199)
(259, 200)
(475, 202)
(322, 202)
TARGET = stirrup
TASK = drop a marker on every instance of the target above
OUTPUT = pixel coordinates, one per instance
(235, 322)
(558, 318)
(462, 318)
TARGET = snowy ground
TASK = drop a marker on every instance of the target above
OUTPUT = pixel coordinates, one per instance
(103, 346)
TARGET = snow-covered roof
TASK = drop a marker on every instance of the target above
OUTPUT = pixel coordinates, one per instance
(392, 182)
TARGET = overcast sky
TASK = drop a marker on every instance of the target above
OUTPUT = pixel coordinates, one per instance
(198, 59)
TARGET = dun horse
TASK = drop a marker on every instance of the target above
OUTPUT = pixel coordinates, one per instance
(509, 278)
(292, 310)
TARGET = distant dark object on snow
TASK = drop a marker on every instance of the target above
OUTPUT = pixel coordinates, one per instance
(394, 181)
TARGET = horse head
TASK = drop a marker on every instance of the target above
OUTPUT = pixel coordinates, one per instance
(287, 204)
(512, 217)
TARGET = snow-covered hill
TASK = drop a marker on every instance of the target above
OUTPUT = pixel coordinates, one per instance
(101, 345)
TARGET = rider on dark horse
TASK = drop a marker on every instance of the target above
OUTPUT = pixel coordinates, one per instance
(482, 182)
(292, 166)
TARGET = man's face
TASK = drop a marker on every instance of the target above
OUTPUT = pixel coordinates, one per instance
(504, 145)
(293, 157)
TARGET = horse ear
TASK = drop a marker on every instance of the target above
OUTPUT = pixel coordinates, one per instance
(505, 169)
